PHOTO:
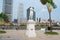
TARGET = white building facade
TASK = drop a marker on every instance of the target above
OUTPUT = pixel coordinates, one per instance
(20, 13)
(7, 8)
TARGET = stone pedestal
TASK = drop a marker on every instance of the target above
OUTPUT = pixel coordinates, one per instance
(30, 32)
(43, 29)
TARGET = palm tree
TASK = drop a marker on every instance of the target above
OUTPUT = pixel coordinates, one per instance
(50, 4)
(44, 2)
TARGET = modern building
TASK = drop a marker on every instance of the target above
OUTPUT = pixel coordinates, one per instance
(20, 13)
(15, 20)
(38, 19)
(7, 8)
(28, 13)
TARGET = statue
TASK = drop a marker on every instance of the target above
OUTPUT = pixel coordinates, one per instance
(31, 25)
(31, 13)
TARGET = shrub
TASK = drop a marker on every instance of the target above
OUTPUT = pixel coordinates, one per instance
(42, 25)
(1, 31)
(55, 25)
(51, 33)
(23, 25)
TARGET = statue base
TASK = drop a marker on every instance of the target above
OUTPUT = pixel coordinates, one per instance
(30, 32)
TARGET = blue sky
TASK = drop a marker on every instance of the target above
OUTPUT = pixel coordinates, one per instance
(41, 10)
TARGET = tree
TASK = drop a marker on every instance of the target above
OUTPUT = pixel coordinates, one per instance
(50, 4)
(4, 16)
(1, 21)
(48, 1)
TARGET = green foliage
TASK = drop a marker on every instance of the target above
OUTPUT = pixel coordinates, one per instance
(51, 33)
(52, 3)
(23, 25)
(1, 21)
(48, 1)
(43, 2)
(55, 25)
(4, 16)
(1, 31)
(37, 27)
(43, 25)
(11, 24)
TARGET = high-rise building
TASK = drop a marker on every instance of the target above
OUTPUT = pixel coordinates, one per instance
(28, 13)
(15, 20)
(39, 19)
(20, 13)
(7, 8)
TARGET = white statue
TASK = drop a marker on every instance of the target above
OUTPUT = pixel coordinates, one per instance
(31, 25)
(31, 13)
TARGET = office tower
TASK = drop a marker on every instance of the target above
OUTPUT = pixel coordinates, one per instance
(7, 8)
(28, 13)
(20, 13)
(15, 20)
(39, 19)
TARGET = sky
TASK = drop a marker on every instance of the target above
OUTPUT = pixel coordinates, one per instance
(41, 10)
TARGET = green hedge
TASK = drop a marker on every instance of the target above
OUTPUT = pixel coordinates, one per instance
(51, 33)
(23, 25)
(2, 31)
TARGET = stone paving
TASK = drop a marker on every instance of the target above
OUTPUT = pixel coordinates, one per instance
(21, 35)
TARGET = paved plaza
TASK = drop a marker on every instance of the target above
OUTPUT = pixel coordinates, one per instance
(21, 35)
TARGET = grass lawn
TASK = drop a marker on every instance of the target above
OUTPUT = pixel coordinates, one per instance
(2, 31)
(51, 33)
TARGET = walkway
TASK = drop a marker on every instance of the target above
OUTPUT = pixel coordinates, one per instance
(20, 35)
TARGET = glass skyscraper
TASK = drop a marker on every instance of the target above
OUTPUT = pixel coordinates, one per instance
(7, 8)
